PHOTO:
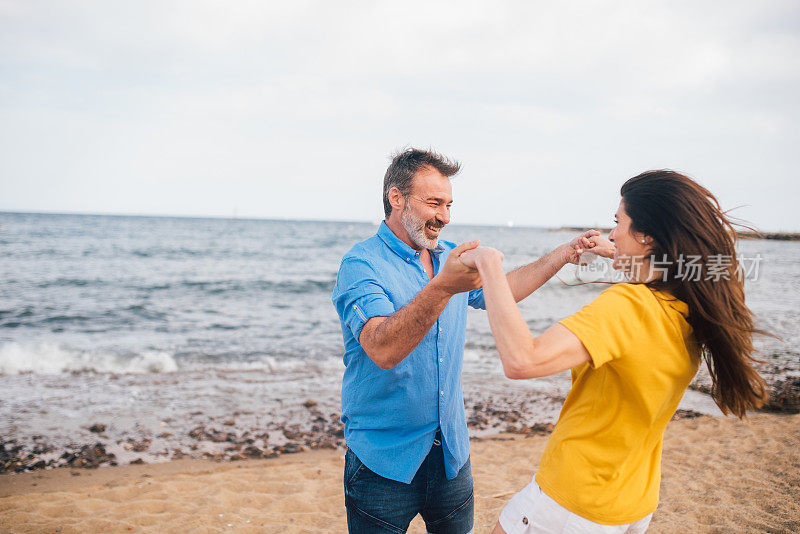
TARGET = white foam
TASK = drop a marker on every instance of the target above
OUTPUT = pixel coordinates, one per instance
(278, 366)
(52, 358)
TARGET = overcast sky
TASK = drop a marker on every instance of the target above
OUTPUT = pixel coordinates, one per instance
(291, 108)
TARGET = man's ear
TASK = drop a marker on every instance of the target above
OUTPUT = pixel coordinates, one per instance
(396, 199)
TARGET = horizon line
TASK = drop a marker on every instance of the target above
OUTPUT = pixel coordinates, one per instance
(253, 218)
(509, 224)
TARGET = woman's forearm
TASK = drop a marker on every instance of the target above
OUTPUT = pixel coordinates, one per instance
(511, 333)
(528, 278)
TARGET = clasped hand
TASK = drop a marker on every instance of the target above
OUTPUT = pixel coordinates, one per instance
(591, 240)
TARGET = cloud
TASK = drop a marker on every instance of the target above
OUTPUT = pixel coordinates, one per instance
(248, 98)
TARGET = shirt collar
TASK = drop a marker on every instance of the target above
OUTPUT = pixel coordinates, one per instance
(399, 247)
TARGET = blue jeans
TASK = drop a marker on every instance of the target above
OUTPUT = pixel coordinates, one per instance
(378, 504)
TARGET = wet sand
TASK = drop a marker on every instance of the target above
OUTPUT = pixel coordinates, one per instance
(719, 475)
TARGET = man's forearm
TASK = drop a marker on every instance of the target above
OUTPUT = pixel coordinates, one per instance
(528, 278)
(397, 335)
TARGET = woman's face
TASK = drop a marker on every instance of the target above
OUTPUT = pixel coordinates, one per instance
(630, 246)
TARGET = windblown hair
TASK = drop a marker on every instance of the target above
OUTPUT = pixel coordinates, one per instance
(685, 220)
(405, 165)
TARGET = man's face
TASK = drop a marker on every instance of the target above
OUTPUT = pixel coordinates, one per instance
(427, 207)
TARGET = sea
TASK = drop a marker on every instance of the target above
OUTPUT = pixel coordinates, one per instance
(154, 326)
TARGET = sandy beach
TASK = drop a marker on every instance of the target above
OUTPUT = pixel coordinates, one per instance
(719, 475)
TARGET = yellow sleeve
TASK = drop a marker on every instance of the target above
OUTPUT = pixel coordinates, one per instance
(608, 324)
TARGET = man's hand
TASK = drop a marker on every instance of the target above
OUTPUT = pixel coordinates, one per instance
(579, 245)
(456, 277)
(475, 257)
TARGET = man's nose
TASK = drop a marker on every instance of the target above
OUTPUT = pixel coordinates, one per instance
(444, 215)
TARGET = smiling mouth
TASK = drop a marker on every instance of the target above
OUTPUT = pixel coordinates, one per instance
(433, 229)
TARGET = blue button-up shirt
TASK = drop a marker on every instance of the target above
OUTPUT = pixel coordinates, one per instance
(391, 416)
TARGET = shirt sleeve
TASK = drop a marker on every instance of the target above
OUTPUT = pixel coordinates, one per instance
(607, 325)
(476, 299)
(358, 295)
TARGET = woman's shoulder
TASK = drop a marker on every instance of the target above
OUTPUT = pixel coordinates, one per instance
(617, 302)
(626, 290)
(644, 296)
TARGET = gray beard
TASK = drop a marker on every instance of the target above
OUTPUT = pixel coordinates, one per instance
(416, 230)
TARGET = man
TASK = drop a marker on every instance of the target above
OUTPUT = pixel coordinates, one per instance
(402, 298)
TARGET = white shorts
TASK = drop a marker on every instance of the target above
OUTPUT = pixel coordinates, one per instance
(533, 511)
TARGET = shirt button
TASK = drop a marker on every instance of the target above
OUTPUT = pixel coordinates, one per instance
(441, 393)
(408, 259)
(440, 329)
(441, 360)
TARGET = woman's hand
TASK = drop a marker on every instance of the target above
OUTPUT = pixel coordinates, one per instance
(481, 256)
(579, 245)
(602, 246)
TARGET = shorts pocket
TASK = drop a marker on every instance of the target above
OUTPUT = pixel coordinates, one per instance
(515, 517)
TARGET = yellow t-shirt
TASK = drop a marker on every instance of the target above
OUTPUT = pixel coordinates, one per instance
(603, 460)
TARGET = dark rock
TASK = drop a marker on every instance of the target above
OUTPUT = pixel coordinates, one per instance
(686, 414)
(310, 403)
(97, 428)
(89, 456)
(702, 388)
(253, 452)
(510, 417)
(141, 446)
(784, 396)
(291, 448)
(137, 461)
(292, 434)
(198, 433)
(539, 428)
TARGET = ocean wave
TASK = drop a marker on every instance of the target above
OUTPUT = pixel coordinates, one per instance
(51, 358)
(70, 282)
(308, 285)
(273, 365)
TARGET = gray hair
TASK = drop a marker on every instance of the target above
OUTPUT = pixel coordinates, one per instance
(405, 165)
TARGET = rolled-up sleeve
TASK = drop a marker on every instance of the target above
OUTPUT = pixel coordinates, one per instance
(476, 299)
(358, 296)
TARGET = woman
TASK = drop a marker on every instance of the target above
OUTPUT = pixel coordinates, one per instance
(633, 352)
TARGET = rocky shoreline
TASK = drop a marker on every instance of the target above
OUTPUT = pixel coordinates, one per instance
(304, 425)
(784, 395)
(223, 441)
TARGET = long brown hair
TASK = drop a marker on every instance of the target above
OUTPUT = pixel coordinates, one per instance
(685, 221)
